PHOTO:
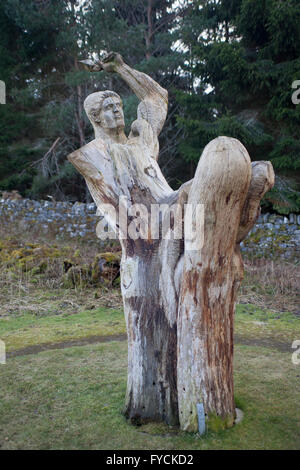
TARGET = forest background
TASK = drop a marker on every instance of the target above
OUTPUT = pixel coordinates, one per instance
(229, 67)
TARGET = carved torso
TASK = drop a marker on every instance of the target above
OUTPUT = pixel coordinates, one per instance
(128, 167)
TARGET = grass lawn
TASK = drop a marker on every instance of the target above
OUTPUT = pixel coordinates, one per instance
(38, 326)
(27, 330)
(72, 398)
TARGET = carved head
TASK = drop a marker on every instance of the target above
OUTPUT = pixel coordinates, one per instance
(105, 109)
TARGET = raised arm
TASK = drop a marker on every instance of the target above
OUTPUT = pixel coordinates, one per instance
(154, 99)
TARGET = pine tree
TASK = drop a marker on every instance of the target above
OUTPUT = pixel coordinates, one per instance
(244, 61)
(48, 94)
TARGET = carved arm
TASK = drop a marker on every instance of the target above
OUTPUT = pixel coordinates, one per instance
(154, 98)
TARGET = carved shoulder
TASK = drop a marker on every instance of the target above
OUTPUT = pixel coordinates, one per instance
(91, 160)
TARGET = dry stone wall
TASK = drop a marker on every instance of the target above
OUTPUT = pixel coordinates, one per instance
(272, 235)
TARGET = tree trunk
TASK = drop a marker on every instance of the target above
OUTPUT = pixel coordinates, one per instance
(150, 296)
(169, 281)
(211, 277)
(149, 31)
(208, 291)
(79, 110)
(152, 342)
(147, 275)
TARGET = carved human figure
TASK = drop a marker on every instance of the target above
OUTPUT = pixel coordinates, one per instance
(116, 166)
(178, 303)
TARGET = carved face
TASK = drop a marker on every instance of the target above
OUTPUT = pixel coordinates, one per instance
(110, 115)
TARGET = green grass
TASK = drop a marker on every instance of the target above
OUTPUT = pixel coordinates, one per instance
(255, 323)
(72, 399)
(54, 325)
(29, 329)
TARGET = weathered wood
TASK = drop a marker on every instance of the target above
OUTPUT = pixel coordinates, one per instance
(262, 180)
(163, 281)
(206, 306)
(129, 169)
(230, 191)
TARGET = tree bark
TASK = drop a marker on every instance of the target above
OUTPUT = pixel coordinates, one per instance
(149, 31)
(79, 110)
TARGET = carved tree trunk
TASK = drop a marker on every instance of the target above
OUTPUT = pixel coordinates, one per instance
(209, 281)
(147, 274)
(231, 192)
(168, 283)
(152, 341)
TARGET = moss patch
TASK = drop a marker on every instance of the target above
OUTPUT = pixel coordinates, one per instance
(217, 423)
(56, 261)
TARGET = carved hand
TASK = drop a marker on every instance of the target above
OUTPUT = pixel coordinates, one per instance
(108, 64)
(111, 61)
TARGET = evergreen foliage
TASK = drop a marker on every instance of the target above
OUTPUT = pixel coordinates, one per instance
(243, 56)
(228, 65)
